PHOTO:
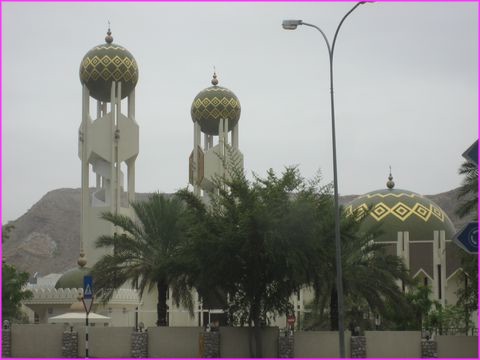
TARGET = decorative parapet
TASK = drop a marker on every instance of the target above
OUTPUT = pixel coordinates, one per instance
(49, 295)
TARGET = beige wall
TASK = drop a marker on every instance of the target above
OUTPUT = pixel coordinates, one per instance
(173, 342)
(457, 346)
(399, 344)
(40, 341)
(234, 342)
(321, 344)
(107, 342)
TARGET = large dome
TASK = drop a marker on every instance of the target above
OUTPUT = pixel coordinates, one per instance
(215, 103)
(73, 278)
(106, 63)
(401, 210)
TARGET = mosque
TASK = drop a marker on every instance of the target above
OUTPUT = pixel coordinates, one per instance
(414, 228)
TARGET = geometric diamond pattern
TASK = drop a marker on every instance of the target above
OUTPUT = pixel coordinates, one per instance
(401, 211)
(437, 213)
(422, 211)
(380, 211)
(213, 104)
(107, 63)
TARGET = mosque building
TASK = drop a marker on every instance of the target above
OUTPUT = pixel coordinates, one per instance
(418, 231)
(413, 227)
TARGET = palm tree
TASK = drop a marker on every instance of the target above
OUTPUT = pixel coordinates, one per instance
(144, 253)
(370, 275)
(468, 190)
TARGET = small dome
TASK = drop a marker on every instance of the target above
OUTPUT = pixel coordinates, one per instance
(401, 210)
(73, 278)
(106, 63)
(215, 103)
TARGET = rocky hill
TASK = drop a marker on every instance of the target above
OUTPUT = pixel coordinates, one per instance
(46, 239)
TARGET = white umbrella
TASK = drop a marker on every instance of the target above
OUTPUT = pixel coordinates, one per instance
(78, 317)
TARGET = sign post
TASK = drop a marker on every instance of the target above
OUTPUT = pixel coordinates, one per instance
(87, 304)
(467, 238)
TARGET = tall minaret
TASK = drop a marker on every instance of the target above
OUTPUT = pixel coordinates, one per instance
(215, 113)
(107, 141)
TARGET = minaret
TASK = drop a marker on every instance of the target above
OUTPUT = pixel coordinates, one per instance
(215, 113)
(108, 140)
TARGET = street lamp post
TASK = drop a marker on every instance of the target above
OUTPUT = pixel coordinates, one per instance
(292, 25)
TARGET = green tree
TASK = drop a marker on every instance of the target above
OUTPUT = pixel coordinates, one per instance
(468, 192)
(13, 292)
(144, 253)
(370, 275)
(253, 241)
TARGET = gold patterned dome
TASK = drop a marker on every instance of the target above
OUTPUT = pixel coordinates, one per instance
(106, 63)
(215, 103)
(401, 210)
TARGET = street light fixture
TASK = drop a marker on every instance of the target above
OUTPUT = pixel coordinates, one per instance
(292, 25)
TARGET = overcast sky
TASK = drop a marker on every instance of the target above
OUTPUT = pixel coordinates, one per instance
(405, 85)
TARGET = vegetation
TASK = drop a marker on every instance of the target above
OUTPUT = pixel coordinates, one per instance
(468, 292)
(143, 253)
(254, 241)
(13, 292)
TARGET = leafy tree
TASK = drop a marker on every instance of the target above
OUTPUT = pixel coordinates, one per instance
(415, 316)
(144, 253)
(13, 292)
(253, 241)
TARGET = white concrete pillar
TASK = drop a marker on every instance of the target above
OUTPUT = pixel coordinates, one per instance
(131, 180)
(112, 149)
(131, 105)
(235, 136)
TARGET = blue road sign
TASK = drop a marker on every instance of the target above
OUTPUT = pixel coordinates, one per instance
(467, 238)
(471, 154)
(87, 287)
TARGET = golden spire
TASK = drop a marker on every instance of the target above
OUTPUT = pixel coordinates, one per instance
(390, 183)
(109, 38)
(214, 80)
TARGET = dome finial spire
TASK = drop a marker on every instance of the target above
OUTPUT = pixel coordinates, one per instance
(390, 183)
(82, 260)
(214, 80)
(109, 38)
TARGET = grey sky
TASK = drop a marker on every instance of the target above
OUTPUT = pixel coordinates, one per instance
(405, 85)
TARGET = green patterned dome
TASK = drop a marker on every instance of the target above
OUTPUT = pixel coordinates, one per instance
(106, 63)
(401, 210)
(215, 103)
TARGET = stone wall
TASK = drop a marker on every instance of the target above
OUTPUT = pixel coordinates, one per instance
(429, 349)
(358, 346)
(70, 344)
(210, 347)
(139, 345)
(6, 343)
(286, 345)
